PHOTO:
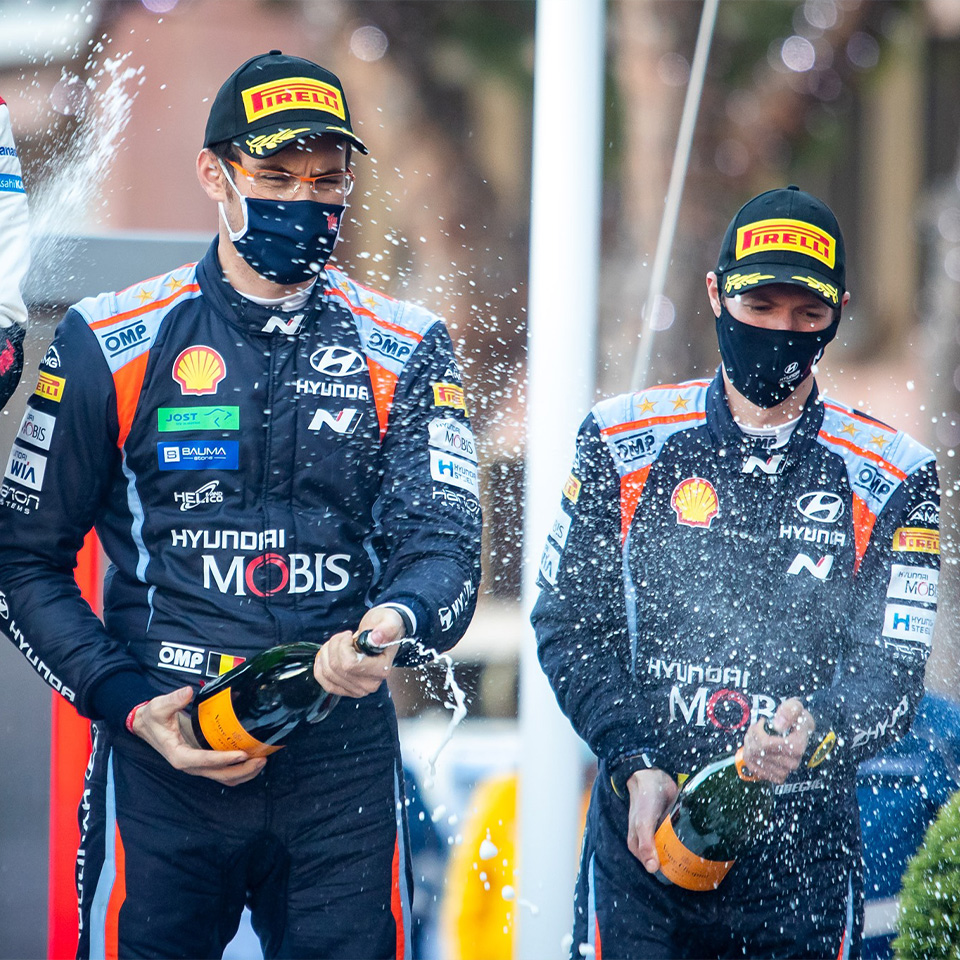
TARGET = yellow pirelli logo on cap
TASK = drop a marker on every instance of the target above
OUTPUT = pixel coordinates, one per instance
(793, 235)
(293, 93)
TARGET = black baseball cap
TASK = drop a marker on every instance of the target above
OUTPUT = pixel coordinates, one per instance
(274, 100)
(784, 236)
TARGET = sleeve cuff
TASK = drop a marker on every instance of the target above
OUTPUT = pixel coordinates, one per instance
(620, 771)
(117, 694)
(408, 617)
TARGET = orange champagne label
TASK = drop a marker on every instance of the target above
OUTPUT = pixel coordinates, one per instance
(684, 868)
(222, 729)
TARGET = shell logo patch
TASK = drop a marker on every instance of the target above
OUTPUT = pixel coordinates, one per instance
(781, 234)
(695, 501)
(292, 93)
(199, 370)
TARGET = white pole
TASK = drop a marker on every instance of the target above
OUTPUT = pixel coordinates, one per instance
(671, 208)
(564, 263)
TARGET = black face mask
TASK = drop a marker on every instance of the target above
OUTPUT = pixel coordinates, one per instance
(766, 366)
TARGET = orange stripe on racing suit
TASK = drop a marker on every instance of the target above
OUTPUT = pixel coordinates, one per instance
(598, 946)
(631, 486)
(384, 384)
(396, 901)
(128, 382)
(868, 454)
(863, 520)
(653, 422)
(379, 321)
(117, 897)
(146, 308)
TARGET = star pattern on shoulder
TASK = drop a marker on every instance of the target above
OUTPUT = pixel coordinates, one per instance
(850, 428)
(680, 403)
(175, 284)
(646, 406)
(879, 440)
(144, 295)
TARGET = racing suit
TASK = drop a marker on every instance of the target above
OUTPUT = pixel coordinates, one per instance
(256, 478)
(14, 260)
(693, 579)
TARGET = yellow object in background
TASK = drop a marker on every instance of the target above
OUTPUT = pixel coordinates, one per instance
(476, 922)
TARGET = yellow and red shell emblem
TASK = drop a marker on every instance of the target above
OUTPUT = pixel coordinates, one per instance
(199, 370)
(695, 502)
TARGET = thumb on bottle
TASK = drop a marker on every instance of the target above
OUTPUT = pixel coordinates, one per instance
(184, 695)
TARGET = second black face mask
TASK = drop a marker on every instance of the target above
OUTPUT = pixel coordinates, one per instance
(766, 366)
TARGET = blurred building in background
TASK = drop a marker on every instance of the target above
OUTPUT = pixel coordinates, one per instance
(855, 100)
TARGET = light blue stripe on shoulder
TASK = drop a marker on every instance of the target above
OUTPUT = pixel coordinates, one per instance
(877, 457)
(636, 426)
(126, 324)
(390, 330)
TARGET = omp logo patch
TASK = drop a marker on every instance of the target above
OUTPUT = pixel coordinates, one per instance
(292, 93)
(390, 346)
(119, 340)
(49, 386)
(181, 656)
(780, 234)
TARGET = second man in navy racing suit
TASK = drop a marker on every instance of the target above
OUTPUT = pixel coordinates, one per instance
(728, 552)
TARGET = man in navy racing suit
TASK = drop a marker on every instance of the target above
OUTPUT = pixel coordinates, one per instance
(729, 552)
(270, 453)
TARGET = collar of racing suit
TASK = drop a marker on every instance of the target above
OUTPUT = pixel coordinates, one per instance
(727, 435)
(251, 317)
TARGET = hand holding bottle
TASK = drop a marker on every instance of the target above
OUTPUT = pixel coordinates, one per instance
(162, 723)
(774, 756)
(342, 670)
(652, 792)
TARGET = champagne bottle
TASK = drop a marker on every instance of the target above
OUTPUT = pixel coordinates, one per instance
(256, 705)
(715, 812)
